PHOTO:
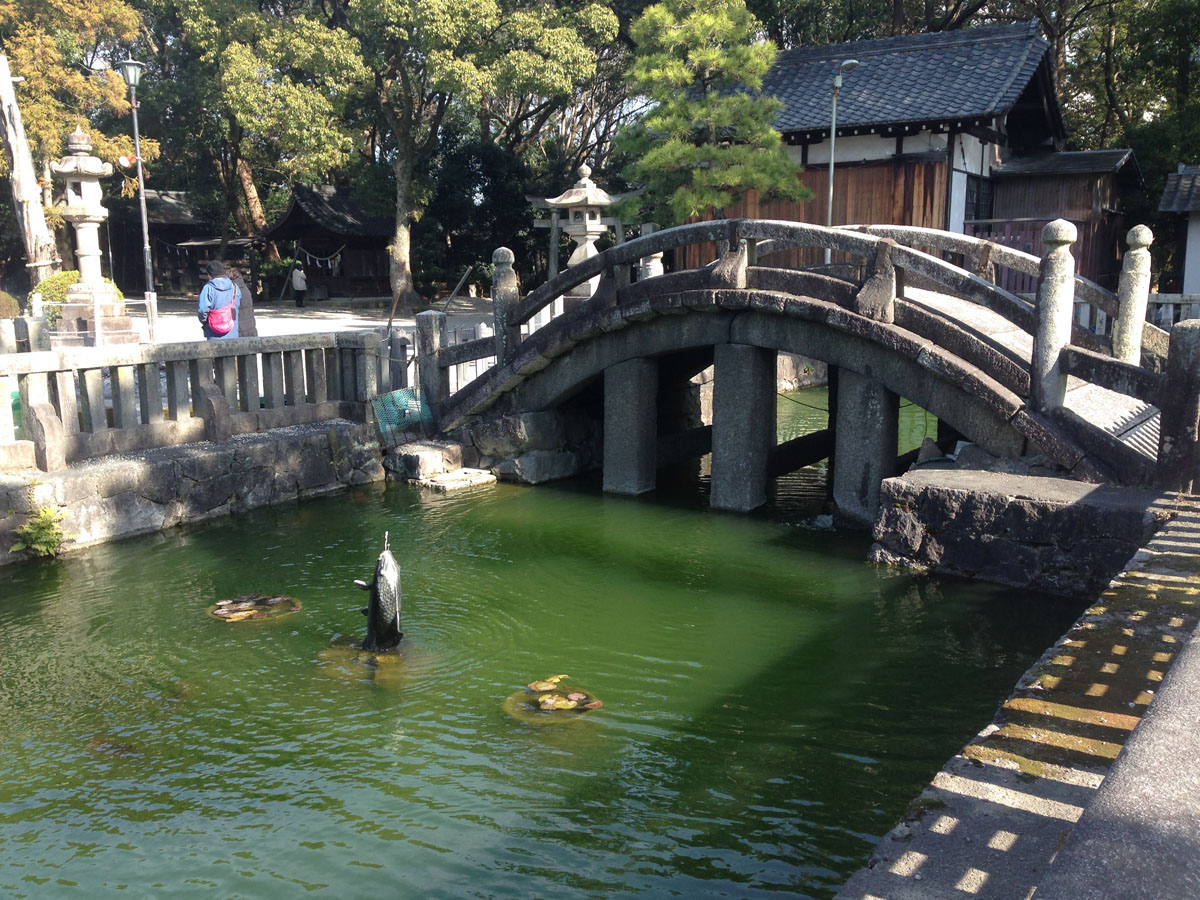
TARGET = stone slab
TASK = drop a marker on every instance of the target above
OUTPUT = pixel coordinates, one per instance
(459, 480)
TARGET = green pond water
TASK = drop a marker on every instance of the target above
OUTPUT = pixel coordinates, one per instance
(771, 702)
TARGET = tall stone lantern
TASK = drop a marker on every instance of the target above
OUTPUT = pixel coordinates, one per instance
(93, 313)
(583, 205)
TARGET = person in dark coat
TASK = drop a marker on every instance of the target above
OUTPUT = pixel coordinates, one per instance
(217, 294)
(247, 327)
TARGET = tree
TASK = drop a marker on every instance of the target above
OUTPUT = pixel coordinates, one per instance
(426, 58)
(59, 48)
(40, 250)
(709, 135)
(248, 93)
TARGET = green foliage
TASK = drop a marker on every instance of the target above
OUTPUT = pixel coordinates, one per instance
(479, 204)
(439, 61)
(337, 453)
(9, 307)
(709, 135)
(54, 293)
(274, 268)
(41, 534)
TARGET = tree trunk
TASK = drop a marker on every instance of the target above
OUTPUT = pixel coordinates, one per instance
(40, 249)
(258, 217)
(1110, 75)
(404, 295)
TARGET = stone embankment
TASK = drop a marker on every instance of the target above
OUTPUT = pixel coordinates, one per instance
(1028, 808)
(138, 493)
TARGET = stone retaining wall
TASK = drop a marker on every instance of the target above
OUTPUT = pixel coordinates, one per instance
(138, 493)
(1049, 534)
(530, 448)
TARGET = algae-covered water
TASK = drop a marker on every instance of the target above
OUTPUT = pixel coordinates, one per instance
(771, 703)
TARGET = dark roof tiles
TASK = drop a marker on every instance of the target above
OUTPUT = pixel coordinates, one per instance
(330, 208)
(1182, 193)
(972, 73)
(1074, 162)
(333, 208)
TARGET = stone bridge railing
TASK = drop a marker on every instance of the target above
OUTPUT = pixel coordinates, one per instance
(1133, 362)
(78, 404)
(983, 257)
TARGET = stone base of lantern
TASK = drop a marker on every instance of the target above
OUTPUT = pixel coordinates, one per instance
(77, 327)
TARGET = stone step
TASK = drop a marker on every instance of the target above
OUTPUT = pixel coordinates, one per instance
(87, 310)
(81, 324)
(458, 480)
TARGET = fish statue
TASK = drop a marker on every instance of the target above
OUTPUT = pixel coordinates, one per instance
(383, 610)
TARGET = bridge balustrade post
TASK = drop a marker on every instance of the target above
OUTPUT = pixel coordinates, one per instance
(431, 338)
(650, 266)
(1178, 467)
(1055, 308)
(876, 299)
(1133, 295)
(506, 292)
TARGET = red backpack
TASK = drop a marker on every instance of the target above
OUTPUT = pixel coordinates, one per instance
(220, 321)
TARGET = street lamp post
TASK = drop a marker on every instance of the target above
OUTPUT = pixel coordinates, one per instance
(847, 65)
(131, 71)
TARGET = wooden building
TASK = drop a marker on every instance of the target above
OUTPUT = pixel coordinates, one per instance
(1083, 187)
(1182, 196)
(935, 130)
(342, 247)
(180, 241)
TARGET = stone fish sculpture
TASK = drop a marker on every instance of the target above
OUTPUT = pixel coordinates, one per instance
(383, 609)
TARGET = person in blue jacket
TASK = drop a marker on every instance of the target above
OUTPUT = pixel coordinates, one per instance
(218, 293)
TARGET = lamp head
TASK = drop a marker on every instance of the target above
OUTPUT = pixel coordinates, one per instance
(848, 65)
(131, 71)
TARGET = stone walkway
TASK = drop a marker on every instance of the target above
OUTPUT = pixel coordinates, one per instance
(1128, 419)
(993, 820)
(177, 317)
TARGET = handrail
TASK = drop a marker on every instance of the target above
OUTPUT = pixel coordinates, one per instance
(79, 403)
(1001, 254)
(773, 230)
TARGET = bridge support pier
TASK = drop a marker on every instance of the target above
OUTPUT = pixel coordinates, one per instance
(744, 428)
(865, 441)
(630, 426)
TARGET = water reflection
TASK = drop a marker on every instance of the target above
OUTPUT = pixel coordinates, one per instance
(771, 702)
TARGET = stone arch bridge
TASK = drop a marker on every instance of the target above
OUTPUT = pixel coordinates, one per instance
(1014, 374)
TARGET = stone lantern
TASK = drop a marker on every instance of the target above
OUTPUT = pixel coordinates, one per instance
(92, 306)
(583, 208)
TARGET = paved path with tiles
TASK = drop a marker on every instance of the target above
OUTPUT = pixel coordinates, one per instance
(991, 823)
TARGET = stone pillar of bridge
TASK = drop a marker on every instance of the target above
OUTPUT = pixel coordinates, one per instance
(630, 426)
(865, 444)
(1133, 295)
(1055, 313)
(744, 429)
(1178, 467)
(506, 293)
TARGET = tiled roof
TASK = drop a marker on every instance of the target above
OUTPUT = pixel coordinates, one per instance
(170, 208)
(1074, 162)
(327, 207)
(332, 208)
(1182, 193)
(973, 73)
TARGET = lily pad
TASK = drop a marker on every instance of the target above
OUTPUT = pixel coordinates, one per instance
(254, 606)
(548, 701)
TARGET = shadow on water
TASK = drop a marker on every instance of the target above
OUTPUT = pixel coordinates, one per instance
(772, 703)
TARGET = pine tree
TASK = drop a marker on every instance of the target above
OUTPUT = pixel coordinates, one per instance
(708, 135)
